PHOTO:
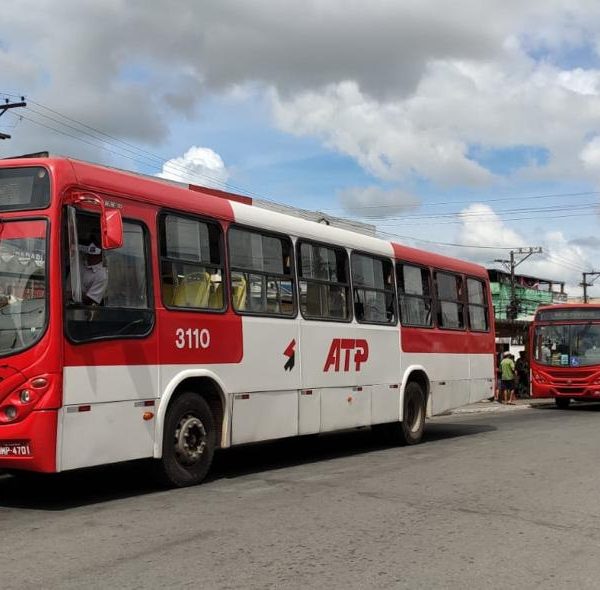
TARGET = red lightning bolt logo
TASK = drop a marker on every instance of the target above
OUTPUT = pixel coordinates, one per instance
(290, 352)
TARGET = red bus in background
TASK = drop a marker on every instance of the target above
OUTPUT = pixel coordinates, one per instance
(213, 322)
(565, 353)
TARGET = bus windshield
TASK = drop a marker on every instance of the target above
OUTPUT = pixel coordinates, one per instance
(563, 345)
(23, 300)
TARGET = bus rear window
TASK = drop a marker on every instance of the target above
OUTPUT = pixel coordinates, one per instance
(24, 188)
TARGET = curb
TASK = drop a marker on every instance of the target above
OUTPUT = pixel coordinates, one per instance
(497, 407)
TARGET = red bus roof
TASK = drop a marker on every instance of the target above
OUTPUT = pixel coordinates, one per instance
(438, 260)
(569, 306)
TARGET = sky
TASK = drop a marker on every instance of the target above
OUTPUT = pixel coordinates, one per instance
(469, 131)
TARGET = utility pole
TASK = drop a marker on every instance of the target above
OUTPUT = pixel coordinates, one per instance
(510, 265)
(10, 105)
(585, 284)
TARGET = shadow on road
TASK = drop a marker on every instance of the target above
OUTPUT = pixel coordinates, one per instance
(68, 490)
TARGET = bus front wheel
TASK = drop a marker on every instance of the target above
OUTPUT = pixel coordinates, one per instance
(562, 402)
(188, 442)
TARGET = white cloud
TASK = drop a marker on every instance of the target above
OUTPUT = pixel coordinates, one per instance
(373, 201)
(405, 88)
(456, 106)
(388, 140)
(199, 165)
(590, 156)
(481, 226)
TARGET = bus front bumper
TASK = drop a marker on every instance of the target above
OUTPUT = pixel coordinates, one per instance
(549, 390)
(30, 444)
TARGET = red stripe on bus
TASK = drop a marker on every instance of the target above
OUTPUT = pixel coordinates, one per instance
(434, 340)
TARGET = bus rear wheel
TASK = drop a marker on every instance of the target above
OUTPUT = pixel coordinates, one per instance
(189, 441)
(410, 430)
(413, 421)
(562, 403)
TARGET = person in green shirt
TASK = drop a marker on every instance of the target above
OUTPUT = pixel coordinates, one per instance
(507, 379)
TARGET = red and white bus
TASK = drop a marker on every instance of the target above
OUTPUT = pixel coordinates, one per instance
(213, 323)
(565, 353)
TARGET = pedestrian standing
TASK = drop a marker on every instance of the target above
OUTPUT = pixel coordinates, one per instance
(507, 379)
(522, 369)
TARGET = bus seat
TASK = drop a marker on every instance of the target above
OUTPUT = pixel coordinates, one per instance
(193, 292)
(238, 293)
(313, 299)
(215, 299)
(167, 293)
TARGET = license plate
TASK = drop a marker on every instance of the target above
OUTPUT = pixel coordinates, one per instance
(15, 449)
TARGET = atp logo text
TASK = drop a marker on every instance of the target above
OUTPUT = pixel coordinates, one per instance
(347, 348)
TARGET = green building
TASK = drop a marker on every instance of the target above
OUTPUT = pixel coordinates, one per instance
(530, 293)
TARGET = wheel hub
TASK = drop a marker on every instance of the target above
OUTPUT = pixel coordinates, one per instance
(190, 439)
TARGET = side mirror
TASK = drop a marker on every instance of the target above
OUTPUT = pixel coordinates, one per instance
(112, 229)
(111, 222)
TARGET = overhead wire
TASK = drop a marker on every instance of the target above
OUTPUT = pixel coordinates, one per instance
(155, 158)
(147, 158)
(150, 159)
(459, 221)
(134, 159)
(497, 212)
(105, 141)
(422, 240)
(476, 200)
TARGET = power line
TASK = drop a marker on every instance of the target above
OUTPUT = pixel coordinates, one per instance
(497, 212)
(157, 159)
(147, 158)
(160, 160)
(102, 140)
(570, 263)
(98, 143)
(562, 265)
(476, 200)
(392, 235)
(127, 147)
(458, 221)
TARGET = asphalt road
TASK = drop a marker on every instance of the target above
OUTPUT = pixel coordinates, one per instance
(493, 500)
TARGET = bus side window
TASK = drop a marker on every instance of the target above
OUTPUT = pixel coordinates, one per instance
(478, 308)
(451, 313)
(324, 282)
(262, 280)
(374, 293)
(191, 263)
(414, 295)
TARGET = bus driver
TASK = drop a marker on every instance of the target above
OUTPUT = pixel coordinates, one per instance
(94, 276)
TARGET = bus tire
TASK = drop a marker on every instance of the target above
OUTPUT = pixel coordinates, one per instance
(410, 430)
(562, 403)
(189, 442)
(413, 416)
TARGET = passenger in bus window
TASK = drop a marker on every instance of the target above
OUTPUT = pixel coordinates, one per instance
(6, 297)
(546, 353)
(94, 277)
